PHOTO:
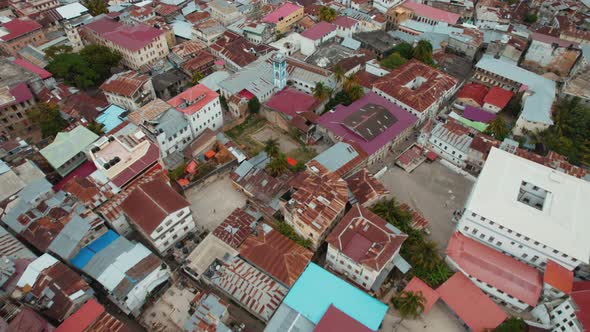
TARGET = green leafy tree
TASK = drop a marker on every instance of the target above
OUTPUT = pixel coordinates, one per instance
(254, 105)
(405, 50)
(512, 324)
(341, 98)
(497, 129)
(530, 18)
(97, 7)
(47, 117)
(327, 14)
(96, 127)
(410, 305)
(321, 92)
(277, 165)
(339, 73)
(423, 52)
(393, 61)
(52, 51)
(271, 147)
(288, 231)
(177, 173)
(196, 78)
(72, 68)
(101, 59)
(356, 92)
(349, 82)
(223, 102)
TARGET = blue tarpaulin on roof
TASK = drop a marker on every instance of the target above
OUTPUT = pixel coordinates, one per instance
(103, 241)
(82, 258)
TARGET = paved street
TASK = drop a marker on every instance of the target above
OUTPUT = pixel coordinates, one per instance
(433, 190)
(213, 202)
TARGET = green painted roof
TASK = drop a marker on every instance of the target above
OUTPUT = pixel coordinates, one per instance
(68, 144)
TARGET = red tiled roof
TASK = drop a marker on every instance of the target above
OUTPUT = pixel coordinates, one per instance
(494, 268)
(436, 84)
(365, 187)
(469, 303)
(280, 13)
(476, 92)
(274, 253)
(198, 96)
(366, 238)
(581, 296)
(44, 74)
(319, 30)
(558, 277)
(21, 93)
(498, 97)
(82, 171)
(166, 9)
(345, 21)
(131, 37)
(18, 27)
(82, 318)
(150, 158)
(432, 13)
(291, 102)
(238, 49)
(125, 84)
(430, 295)
(335, 320)
(27, 320)
(235, 228)
(150, 203)
(366, 79)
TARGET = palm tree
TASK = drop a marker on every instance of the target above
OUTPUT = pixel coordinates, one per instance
(423, 254)
(339, 73)
(349, 82)
(356, 92)
(277, 165)
(409, 304)
(96, 127)
(197, 76)
(271, 147)
(321, 92)
(497, 129)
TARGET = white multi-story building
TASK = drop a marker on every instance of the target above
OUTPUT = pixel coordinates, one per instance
(129, 90)
(201, 107)
(529, 211)
(449, 140)
(159, 213)
(384, 5)
(364, 248)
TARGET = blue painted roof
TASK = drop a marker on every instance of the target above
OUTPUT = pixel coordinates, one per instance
(82, 258)
(111, 117)
(317, 288)
(103, 241)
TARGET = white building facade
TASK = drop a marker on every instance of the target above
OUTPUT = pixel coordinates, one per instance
(172, 229)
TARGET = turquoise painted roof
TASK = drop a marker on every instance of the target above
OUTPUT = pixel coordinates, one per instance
(111, 117)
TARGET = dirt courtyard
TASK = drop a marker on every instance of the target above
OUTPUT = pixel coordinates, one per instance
(211, 203)
(439, 319)
(433, 190)
(285, 142)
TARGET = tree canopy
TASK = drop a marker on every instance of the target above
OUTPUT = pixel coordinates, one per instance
(86, 69)
(497, 129)
(530, 18)
(254, 105)
(321, 92)
(409, 304)
(327, 14)
(196, 78)
(47, 117)
(512, 324)
(423, 52)
(97, 7)
(393, 61)
(96, 127)
(404, 49)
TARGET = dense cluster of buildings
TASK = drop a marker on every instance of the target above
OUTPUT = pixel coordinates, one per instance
(95, 212)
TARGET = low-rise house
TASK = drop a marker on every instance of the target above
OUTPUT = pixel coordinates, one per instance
(384, 5)
(201, 107)
(224, 11)
(285, 16)
(248, 286)
(208, 31)
(236, 51)
(496, 99)
(538, 92)
(346, 26)
(92, 317)
(505, 279)
(202, 62)
(366, 190)
(316, 35)
(472, 94)
(20, 32)
(160, 214)
(342, 158)
(128, 272)
(379, 42)
(129, 90)
(270, 251)
(468, 302)
(68, 150)
(258, 33)
(315, 202)
(451, 141)
(52, 288)
(421, 13)
(236, 228)
(493, 15)
(417, 88)
(376, 125)
(548, 55)
(164, 125)
(364, 248)
(210, 314)
(139, 44)
(288, 106)
(15, 101)
(46, 77)
(169, 83)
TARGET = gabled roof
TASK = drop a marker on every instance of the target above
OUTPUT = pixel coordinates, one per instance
(67, 144)
(336, 320)
(235, 228)
(503, 272)
(498, 97)
(18, 27)
(432, 13)
(319, 30)
(474, 91)
(125, 84)
(366, 238)
(280, 13)
(558, 277)
(92, 317)
(430, 295)
(470, 303)
(275, 254)
(291, 102)
(344, 21)
(150, 203)
(131, 37)
(192, 100)
(365, 187)
(44, 74)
